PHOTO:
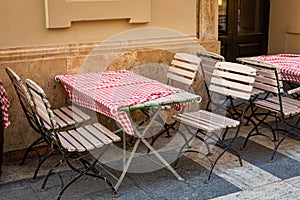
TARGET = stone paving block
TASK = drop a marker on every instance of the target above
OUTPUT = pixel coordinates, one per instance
(283, 167)
(127, 192)
(17, 192)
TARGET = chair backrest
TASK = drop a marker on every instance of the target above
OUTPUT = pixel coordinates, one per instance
(42, 107)
(208, 62)
(183, 69)
(233, 79)
(24, 98)
(268, 76)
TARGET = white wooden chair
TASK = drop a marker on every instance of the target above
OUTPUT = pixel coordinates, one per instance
(228, 79)
(275, 104)
(66, 117)
(73, 145)
(181, 74)
(208, 62)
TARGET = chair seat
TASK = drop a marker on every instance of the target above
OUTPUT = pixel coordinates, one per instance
(206, 120)
(87, 138)
(257, 91)
(290, 106)
(69, 116)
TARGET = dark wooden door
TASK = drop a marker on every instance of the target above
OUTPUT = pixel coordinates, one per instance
(243, 27)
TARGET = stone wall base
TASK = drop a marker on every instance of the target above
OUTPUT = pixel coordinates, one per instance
(149, 57)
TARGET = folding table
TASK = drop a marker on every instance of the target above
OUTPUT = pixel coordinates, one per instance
(289, 66)
(114, 94)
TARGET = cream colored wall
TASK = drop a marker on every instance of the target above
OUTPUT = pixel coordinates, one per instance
(284, 30)
(34, 52)
(23, 23)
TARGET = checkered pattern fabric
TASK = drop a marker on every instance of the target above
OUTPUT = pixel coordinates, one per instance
(107, 92)
(288, 64)
(5, 104)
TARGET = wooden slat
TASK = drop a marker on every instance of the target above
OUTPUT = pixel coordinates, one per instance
(269, 81)
(233, 76)
(229, 92)
(194, 124)
(292, 101)
(188, 57)
(59, 114)
(265, 87)
(78, 119)
(252, 62)
(256, 91)
(181, 72)
(236, 67)
(44, 115)
(286, 101)
(59, 122)
(107, 132)
(65, 143)
(87, 138)
(198, 119)
(83, 139)
(94, 141)
(70, 143)
(293, 91)
(231, 84)
(269, 74)
(219, 118)
(79, 112)
(210, 56)
(180, 79)
(185, 65)
(276, 108)
(98, 134)
(205, 120)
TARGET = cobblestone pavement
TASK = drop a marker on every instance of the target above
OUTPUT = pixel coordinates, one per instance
(256, 179)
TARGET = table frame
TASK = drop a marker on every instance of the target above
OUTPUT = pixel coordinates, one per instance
(178, 97)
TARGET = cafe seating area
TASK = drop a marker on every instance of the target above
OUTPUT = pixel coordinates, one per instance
(133, 166)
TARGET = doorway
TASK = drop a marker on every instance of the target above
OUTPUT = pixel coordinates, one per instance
(243, 27)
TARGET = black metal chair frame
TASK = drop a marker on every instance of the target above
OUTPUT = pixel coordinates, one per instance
(212, 58)
(188, 58)
(68, 157)
(279, 117)
(24, 100)
(218, 140)
(26, 104)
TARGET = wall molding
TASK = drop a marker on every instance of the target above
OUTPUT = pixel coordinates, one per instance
(61, 13)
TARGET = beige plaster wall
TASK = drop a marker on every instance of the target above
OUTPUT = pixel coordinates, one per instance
(284, 31)
(38, 53)
(23, 23)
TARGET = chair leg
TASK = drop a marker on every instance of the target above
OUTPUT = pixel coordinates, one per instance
(30, 148)
(278, 144)
(67, 185)
(213, 165)
(50, 172)
(41, 162)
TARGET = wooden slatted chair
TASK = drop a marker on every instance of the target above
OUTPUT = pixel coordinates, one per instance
(181, 73)
(228, 79)
(208, 62)
(65, 117)
(73, 145)
(275, 104)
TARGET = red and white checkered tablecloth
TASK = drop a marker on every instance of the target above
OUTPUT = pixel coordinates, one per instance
(107, 92)
(288, 64)
(5, 104)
